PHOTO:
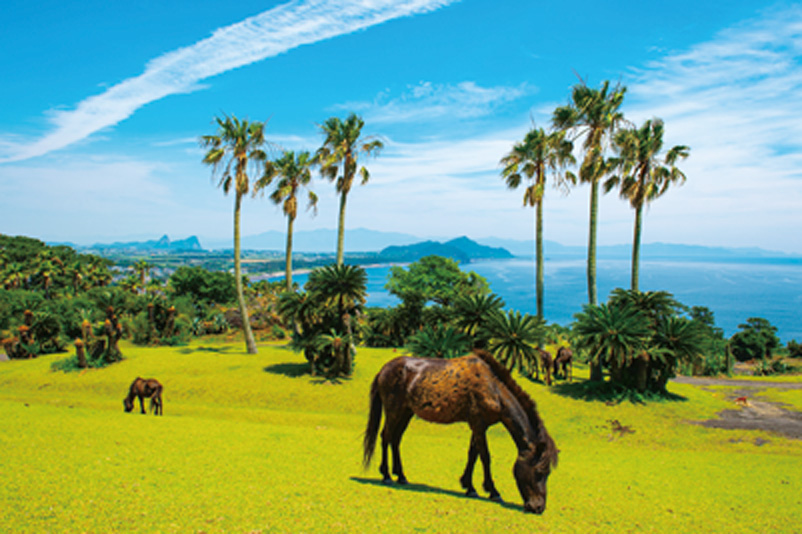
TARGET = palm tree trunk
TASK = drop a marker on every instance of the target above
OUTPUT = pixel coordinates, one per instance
(250, 342)
(595, 369)
(594, 212)
(636, 248)
(341, 229)
(288, 267)
(539, 258)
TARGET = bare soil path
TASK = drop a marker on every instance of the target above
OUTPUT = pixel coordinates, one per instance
(751, 414)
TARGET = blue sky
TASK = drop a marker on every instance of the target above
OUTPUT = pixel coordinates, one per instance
(104, 103)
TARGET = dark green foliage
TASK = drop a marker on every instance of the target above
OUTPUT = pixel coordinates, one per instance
(756, 339)
(715, 358)
(208, 287)
(435, 279)
(641, 339)
(794, 349)
(384, 327)
(438, 342)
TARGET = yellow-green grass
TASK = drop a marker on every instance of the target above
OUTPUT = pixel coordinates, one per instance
(249, 443)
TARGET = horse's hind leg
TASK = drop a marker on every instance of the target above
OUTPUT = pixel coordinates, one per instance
(398, 432)
(466, 480)
(484, 454)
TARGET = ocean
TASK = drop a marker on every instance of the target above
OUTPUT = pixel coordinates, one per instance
(734, 289)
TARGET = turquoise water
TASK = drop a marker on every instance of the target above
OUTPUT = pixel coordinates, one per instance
(734, 290)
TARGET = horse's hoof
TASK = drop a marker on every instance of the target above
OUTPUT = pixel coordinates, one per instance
(387, 481)
(402, 480)
(472, 494)
(496, 498)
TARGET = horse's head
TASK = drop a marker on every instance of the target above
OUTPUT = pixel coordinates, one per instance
(531, 471)
(128, 403)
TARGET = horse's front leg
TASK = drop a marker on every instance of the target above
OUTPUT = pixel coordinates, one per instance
(484, 454)
(142, 404)
(466, 480)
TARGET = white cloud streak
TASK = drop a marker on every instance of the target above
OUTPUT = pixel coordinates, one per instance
(427, 101)
(265, 35)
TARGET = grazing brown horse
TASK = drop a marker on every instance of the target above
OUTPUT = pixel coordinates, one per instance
(564, 361)
(545, 363)
(475, 389)
(144, 388)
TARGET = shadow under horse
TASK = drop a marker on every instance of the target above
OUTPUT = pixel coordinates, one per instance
(145, 388)
(475, 389)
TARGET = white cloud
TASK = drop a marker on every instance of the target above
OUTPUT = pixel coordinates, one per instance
(265, 35)
(428, 101)
(737, 102)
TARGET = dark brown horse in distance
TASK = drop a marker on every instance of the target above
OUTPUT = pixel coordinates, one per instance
(475, 389)
(564, 360)
(145, 388)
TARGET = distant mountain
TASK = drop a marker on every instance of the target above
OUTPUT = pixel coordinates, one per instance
(163, 244)
(324, 240)
(461, 249)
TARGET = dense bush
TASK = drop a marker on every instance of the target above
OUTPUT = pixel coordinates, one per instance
(756, 339)
(794, 349)
(208, 287)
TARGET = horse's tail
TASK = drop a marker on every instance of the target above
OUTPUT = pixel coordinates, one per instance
(374, 420)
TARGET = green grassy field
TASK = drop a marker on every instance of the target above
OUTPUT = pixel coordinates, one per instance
(251, 444)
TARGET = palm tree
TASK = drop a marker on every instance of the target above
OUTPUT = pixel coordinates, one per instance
(236, 149)
(514, 338)
(141, 270)
(533, 158)
(594, 115)
(644, 174)
(295, 173)
(344, 145)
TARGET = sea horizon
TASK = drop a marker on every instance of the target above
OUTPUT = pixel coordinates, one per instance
(734, 289)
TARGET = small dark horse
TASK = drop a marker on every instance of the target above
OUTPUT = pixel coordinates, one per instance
(475, 389)
(144, 388)
(545, 363)
(564, 360)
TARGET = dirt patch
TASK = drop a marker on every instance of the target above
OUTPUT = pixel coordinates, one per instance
(751, 414)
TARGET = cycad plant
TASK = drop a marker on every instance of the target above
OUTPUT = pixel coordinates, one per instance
(439, 341)
(471, 312)
(514, 339)
(612, 336)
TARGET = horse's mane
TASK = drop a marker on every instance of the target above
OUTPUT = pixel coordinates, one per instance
(526, 402)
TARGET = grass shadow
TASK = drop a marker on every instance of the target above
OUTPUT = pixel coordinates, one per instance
(609, 393)
(292, 370)
(224, 349)
(423, 488)
(299, 369)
